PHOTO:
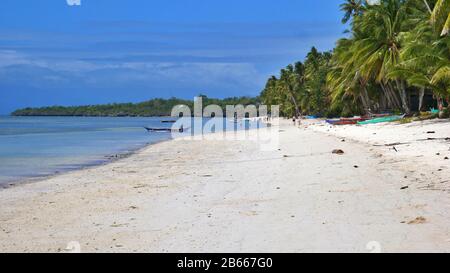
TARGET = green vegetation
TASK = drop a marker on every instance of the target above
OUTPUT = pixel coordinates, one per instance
(154, 107)
(396, 58)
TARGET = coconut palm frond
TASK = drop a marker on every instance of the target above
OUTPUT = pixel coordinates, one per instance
(440, 17)
(442, 75)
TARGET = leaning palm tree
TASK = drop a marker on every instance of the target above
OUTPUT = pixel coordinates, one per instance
(344, 79)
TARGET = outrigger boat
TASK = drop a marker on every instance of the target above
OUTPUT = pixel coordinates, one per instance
(165, 130)
(373, 118)
(381, 120)
(346, 121)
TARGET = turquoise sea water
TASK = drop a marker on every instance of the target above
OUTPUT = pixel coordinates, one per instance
(41, 146)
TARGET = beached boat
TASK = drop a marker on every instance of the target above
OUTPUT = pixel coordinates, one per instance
(343, 122)
(338, 122)
(381, 120)
(346, 121)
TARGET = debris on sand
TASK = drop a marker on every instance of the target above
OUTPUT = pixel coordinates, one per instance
(338, 152)
(140, 186)
(392, 144)
(404, 188)
(418, 221)
(431, 132)
(116, 225)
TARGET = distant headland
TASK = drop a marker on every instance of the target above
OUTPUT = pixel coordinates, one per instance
(151, 108)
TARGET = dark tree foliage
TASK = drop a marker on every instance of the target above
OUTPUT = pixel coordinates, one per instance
(154, 107)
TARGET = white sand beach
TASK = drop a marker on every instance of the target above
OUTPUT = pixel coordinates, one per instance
(230, 196)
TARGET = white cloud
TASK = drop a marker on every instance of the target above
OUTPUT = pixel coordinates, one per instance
(11, 57)
(104, 74)
(73, 2)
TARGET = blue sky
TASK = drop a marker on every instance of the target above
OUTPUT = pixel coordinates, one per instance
(129, 51)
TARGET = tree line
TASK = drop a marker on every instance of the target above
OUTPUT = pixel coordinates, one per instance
(395, 58)
(150, 108)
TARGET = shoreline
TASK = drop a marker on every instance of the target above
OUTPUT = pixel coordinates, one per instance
(103, 160)
(229, 196)
(98, 163)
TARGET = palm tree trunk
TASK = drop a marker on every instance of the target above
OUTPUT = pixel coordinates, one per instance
(364, 103)
(390, 103)
(294, 101)
(365, 97)
(421, 95)
(384, 102)
(403, 96)
(391, 93)
(440, 102)
(297, 108)
(428, 6)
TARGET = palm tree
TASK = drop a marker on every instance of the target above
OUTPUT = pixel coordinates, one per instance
(344, 79)
(290, 82)
(269, 95)
(315, 92)
(377, 51)
(426, 59)
(415, 65)
(440, 17)
(351, 8)
(287, 90)
(395, 46)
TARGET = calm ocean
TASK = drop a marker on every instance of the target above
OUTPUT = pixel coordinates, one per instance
(41, 146)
